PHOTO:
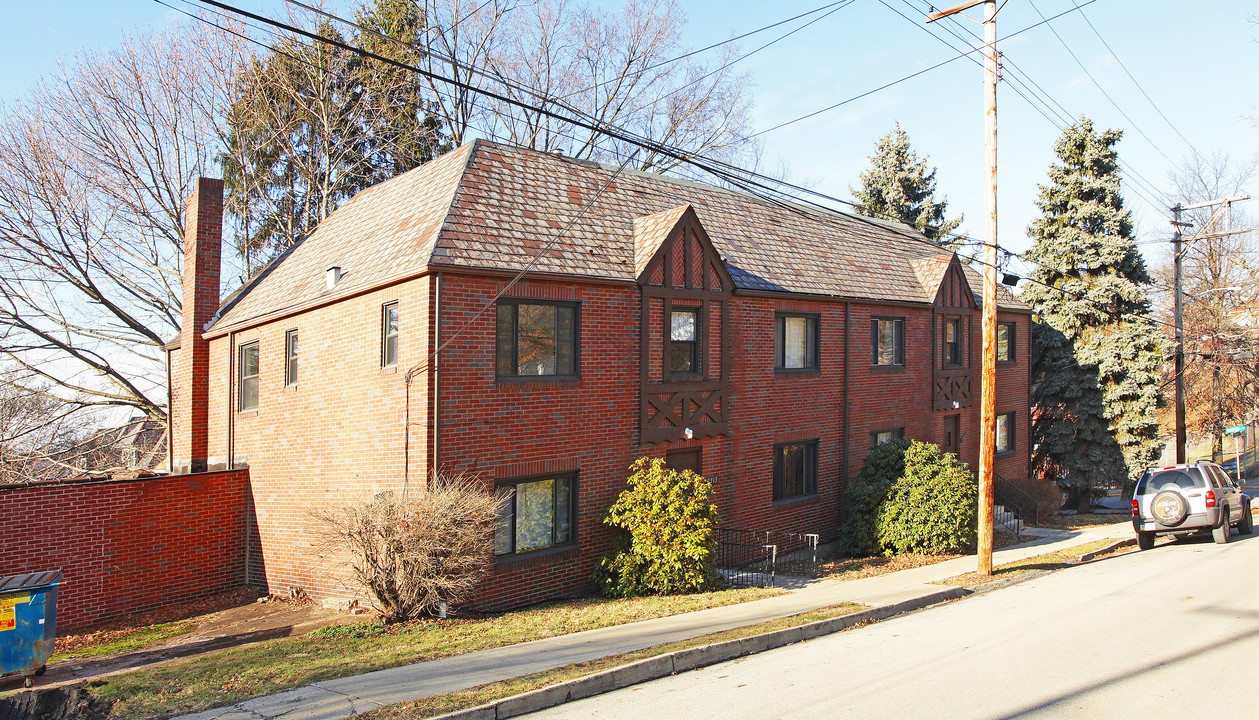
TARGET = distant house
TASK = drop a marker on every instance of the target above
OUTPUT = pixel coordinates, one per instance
(135, 448)
(765, 344)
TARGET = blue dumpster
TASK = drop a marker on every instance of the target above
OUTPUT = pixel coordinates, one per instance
(28, 623)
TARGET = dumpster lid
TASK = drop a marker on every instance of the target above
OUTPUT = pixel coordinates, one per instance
(12, 583)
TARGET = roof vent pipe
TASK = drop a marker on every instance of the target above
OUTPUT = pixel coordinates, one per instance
(332, 277)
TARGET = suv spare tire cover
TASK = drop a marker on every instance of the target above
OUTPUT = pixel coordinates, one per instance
(1169, 507)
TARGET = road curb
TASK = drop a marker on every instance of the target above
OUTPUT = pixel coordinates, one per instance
(1093, 555)
(690, 659)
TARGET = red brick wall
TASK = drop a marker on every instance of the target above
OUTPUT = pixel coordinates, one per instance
(334, 437)
(127, 546)
(338, 435)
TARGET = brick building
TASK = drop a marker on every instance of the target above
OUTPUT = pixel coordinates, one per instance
(766, 344)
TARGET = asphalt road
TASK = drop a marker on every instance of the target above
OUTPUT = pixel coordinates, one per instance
(1171, 632)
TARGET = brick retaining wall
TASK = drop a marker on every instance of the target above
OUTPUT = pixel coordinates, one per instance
(127, 546)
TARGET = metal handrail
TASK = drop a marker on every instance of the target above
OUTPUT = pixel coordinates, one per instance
(1011, 496)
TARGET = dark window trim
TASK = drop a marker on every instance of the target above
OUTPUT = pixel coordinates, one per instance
(515, 303)
(898, 342)
(808, 482)
(813, 343)
(385, 336)
(241, 377)
(568, 544)
(960, 343)
(1011, 434)
(291, 350)
(1011, 343)
(698, 343)
(874, 434)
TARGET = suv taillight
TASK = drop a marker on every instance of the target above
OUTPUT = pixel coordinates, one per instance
(1135, 511)
(1210, 498)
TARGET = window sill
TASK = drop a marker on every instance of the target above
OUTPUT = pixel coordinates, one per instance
(389, 369)
(253, 412)
(534, 557)
(798, 500)
(1003, 453)
(537, 379)
(887, 368)
(798, 371)
(1007, 362)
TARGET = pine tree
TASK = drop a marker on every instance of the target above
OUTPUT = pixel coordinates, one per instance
(898, 187)
(1096, 364)
(312, 124)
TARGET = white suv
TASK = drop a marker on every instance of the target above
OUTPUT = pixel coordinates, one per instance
(1188, 498)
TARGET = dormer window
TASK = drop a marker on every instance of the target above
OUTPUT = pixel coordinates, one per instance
(684, 340)
(952, 342)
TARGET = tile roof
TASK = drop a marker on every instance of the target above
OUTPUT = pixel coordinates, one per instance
(498, 207)
(650, 232)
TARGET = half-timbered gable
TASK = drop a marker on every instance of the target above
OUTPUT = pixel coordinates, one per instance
(685, 306)
(953, 311)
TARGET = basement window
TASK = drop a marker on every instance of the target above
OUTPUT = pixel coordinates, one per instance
(535, 513)
(795, 470)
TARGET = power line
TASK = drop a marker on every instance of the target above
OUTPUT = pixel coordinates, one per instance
(745, 180)
(1099, 85)
(1138, 85)
(912, 75)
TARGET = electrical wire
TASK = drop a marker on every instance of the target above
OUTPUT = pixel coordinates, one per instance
(913, 75)
(746, 181)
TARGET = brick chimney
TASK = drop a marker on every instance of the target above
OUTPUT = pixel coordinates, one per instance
(190, 371)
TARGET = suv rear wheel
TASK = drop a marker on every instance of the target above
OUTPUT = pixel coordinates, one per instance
(1220, 532)
(1145, 540)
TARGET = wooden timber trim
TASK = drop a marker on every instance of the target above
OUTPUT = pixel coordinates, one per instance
(699, 402)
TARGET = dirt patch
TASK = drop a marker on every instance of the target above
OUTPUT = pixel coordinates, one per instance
(62, 703)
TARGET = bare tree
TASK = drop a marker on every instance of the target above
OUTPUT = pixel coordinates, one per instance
(1221, 313)
(94, 167)
(611, 69)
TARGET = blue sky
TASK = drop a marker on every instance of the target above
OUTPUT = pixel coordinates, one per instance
(1196, 62)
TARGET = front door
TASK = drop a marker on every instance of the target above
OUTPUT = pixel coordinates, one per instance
(688, 459)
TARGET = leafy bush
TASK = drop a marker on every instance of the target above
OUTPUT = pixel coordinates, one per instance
(932, 508)
(417, 551)
(882, 467)
(669, 544)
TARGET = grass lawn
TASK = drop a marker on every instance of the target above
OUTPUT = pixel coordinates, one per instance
(1082, 520)
(1048, 561)
(482, 694)
(109, 642)
(231, 675)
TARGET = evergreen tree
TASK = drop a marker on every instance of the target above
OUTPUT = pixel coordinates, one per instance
(1096, 364)
(311, 125)
(898, 187)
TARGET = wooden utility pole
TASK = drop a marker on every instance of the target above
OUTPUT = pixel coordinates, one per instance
(988, 380)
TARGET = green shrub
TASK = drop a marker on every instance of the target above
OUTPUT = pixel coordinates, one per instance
(932, 508)
(668, 544)
(882, 467)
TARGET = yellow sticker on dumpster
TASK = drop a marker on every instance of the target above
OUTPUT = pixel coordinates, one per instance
(8, 616)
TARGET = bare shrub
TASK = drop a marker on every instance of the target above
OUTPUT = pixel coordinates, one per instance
(416, 551)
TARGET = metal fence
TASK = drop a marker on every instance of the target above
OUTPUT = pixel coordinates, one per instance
(754, 558)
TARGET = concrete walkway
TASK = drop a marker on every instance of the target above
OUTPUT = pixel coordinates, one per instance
(907, 589)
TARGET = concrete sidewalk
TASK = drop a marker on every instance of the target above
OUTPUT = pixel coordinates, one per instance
(899, 591)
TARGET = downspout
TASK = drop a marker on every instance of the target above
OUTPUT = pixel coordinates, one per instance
(231, 395)
(170, 418)
(847, 382)
(435, 467)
